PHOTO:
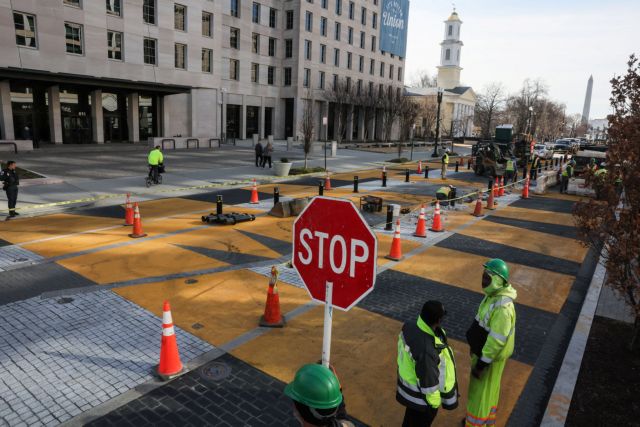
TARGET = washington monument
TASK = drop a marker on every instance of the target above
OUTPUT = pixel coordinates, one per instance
(587, 102)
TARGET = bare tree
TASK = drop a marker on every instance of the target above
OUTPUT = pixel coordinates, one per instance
(530, 95)
(308, 125)
(408, 112)
(422, 79)
(427, 114)
(391, 107)
(342, 95)
(489, 105)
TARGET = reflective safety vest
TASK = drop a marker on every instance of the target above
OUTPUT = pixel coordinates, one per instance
(509, 165)
(568, 171)
(426, 368)
(444, 190)
(445, 159)
(535, 161)
(492, 333)
(155, 157)
(600, 172)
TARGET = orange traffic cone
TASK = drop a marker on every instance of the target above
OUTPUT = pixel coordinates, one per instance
(496, 188)
(478, 210)
(421, 226)
(437, 221)
(254, 193)
(501, 193)
(272, 317)
(525, 188)
(128, 212)
(419, 171)
(490, 202)
(170, 365)
(327, 183)
(137, 223)
(395, 253)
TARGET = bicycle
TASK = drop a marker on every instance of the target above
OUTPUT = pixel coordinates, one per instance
(149, 180)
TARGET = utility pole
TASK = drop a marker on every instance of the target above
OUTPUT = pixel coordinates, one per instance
(435, 146)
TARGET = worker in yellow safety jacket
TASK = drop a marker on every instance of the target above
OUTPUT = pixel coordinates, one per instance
(445, 164)
(426, 368)
(155, 159)
(491, 338)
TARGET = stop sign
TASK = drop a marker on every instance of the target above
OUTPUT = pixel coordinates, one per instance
(332, 242)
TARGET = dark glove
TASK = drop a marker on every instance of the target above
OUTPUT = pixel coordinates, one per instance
(478, 369)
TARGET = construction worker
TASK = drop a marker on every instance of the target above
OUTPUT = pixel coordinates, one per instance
(599, 177)
(592, 165)
(445, 194)
(426, 368)
(491, 338)
(567, 173)
(445, 164)
(535, 163)
(10, 182)
(317, 397)
(155, 159)
(510, 169)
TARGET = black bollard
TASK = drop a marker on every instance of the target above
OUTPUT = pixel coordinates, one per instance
(276, 195)
(219, 204)
(546, 165)
(490, 186)
(406, 175)
(457, 165)
(469, 164)
(384, 179)
(355, 184)
(321, 188)
(426, 172)
(389, 225)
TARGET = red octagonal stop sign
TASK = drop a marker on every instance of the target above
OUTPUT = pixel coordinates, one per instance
(332, 242)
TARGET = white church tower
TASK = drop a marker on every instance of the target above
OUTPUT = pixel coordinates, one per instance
(449, 69)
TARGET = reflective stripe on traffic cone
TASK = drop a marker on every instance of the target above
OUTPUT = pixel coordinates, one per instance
(327, 182)
(421, 226)
(496, 188)
(525, 188)
(170, 365)
(128, 212)
(437, 221)
(254, 193)
(137, 223)
(419, 171)
(395, 253)
(478, 210)
(501, 186)
(272, 317)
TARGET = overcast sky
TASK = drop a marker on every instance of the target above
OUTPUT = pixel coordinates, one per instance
(559, 41)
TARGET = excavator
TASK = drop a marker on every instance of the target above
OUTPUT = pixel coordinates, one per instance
(490, 157)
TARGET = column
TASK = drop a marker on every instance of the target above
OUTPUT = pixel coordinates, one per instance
(337, 117)
(362, 112)
(243, 120)
(261, 119)
(324, 112)
(133, 117)
(166, 120)
(349, 123)
(223, 112)
(5, 110)
(193, 113)
(55, 114)
(97, 122)
(371, 125)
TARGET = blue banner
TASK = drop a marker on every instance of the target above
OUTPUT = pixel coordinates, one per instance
(393, 26)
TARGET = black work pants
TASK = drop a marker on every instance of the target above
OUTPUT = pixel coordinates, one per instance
(564, 184)
(154, 173)
(258, 159)
(266, 159)
(534, 173)
(12, 199)
(413, 418)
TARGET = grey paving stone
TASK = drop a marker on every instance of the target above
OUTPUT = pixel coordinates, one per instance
(542, 227)
(545, 204)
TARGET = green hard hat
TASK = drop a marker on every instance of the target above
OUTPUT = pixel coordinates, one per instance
(316, 387)
(499, 267)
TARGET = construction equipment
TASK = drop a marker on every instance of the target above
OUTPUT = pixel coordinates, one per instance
(371, 204)
(228, 219)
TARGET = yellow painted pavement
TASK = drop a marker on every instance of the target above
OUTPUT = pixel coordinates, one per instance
(535, 215)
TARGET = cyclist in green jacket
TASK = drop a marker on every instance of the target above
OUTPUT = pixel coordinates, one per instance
(155, 159)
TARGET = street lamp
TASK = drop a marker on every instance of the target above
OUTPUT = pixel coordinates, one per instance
(413, 130)
(529, 120)
(435, 146)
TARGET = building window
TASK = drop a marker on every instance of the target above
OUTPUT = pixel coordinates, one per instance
(306, 77)
(287, 76)
(370, 88)
(363, 16)
(234, 38)
(235, 8)
(234, 69)
(150, 51)
(380, 89)
(289, 19)
(73, 38)
(335, 81)
(362, 39)
(149, 11)
(273, 17)
(307, 50)
(255, 43)
(361, 64)
(399, 74)
(114, 7)
(207, 24)
(336, 57)
(323, 53)
(271, 71)
(374, 20)
(458, 55)
(450, 30)
(114, 45)
(447, 54)
(255, 16)
(348, 83)
(308, 21)
(272, 46)
(323, 26)
(180, 17)
(373, 43)
(25, 26)
(180, 56)
(349, 60)
(359, 91)
(255, 73)
(324, 4)
(74, 3)
(207, 58)
(352, 7)
(391, 72)
(321, 80)
(372, 67)
(338, 30)
(350, 35)
(288, 48)
(382, 69)
(338, 7)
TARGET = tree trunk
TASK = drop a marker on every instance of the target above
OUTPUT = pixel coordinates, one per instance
(305, 160)
(635, 334)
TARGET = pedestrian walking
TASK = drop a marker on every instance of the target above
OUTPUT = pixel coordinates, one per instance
(10, 182)
(445, 164)
(155, 159)
(426, 368)
(258, 149)
(266, 154)
(317, 397)
(491, 338)
(567, 173)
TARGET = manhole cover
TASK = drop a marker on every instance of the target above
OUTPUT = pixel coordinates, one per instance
(197, 326)
(65, 300)
(190, 281)
(216, 371)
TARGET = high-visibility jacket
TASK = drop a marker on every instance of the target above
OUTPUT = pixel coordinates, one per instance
(446, 191)
(155, 157)
(568, 171)
(445, 159)
(535, 162)
(601, 171)
(509, 165)
(426, 368)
